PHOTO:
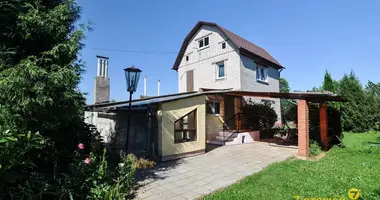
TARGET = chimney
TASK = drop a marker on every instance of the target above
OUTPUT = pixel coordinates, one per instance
(158, 88)
(144, 85)
(102, 81)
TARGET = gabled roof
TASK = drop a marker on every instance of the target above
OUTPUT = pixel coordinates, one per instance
(245, 46)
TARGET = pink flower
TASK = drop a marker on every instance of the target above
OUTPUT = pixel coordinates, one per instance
(87, 161)
(80, 146)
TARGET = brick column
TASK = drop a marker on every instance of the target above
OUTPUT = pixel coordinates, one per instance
(303, 128)
(237, 105)
(323, 125)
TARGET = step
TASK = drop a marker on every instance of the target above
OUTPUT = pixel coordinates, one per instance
(220, 142)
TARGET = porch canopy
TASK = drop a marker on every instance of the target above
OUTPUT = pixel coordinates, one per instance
(302, 112)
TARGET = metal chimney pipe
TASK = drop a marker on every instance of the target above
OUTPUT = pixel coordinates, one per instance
(144, 85)
(106, 68)
(158, 88)
(99, 65)
(103, 67)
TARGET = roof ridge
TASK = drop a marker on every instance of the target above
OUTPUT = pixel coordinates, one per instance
(237, 40)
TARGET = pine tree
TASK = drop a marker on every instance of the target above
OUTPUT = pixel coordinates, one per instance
(356, 109)
(40, 71)
(328, 83)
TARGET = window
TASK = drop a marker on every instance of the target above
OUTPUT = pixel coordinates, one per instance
(185, 128)
(220, 70)
(261, 74)
(204, 42)
(223, 45)
(187, 58)
(213, 108)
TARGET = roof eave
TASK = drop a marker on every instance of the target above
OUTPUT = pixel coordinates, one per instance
(259, 58)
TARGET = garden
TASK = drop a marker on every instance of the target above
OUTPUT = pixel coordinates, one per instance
(354, 166)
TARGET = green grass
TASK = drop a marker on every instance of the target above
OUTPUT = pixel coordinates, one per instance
(357, 165)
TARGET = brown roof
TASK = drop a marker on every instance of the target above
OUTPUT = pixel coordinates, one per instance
(246, 47)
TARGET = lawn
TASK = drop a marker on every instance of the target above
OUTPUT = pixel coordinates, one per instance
(356, 166)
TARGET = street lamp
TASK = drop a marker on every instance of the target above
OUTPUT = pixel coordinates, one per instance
(132, 75)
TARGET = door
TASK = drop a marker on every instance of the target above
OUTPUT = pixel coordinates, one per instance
(190, 80)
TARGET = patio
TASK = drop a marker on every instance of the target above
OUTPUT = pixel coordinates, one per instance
(193, 177)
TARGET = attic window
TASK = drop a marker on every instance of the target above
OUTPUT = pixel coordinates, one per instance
(204, 42)
(223, 45)
(261, 73)
(187, 58)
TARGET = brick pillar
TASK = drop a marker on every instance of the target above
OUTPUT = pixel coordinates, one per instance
(237, 105)
(323, 125)
(303, 128)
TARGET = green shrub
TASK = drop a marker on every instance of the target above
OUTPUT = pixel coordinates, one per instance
(259, 116)
(314, 148)
(88, 176)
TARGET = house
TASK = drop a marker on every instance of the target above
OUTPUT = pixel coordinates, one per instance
(217, 72)
(214, 57)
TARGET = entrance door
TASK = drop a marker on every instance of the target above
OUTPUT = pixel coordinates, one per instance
(190, 80)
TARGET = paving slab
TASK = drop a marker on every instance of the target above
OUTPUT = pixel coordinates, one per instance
(193, 177)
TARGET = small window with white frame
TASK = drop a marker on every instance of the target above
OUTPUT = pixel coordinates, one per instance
(261, 73)
(220, 70)
(213, 108)
(223, 45)
(204, 42)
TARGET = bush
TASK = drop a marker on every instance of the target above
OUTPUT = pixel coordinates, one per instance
(259, 116)
(88, 176)
(314, 148)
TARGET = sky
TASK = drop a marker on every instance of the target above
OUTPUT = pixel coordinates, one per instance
(307, 37)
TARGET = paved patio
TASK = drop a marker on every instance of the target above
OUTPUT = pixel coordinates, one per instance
(193, 177)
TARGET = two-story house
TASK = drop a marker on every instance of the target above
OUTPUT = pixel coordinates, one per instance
(213, 57)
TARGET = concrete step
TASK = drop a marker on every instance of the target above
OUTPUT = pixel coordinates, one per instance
(215, 142)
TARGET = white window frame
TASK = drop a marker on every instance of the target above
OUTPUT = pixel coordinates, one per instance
(213, 108)
(203, 41)
(217, 69)
(258, 74)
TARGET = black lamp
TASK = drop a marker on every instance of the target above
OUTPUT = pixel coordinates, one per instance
(132, 76)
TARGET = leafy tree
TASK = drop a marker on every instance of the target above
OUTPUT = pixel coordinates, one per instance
(284, 86)
(286, 104)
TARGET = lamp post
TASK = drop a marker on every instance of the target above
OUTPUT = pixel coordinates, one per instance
(132, 75)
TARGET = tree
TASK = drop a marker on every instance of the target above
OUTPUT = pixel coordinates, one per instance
(40, 72)
(356, 110)
(328, 83)
(284, 86)
(286, 104)
(373, 102)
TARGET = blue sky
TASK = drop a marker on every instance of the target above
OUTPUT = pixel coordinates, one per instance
(307, 37)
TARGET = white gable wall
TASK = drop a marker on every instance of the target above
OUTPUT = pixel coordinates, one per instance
(203, 62)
